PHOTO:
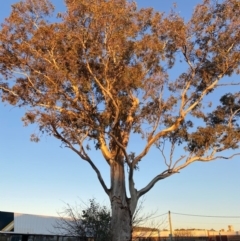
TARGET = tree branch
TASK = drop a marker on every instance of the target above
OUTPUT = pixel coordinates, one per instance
(104, 91)
(132, 190)
(161, 176)
(84, 156)
(211, 157)
(9, 91)
(122, 148)
(155, 138)
(174, 170)
(105, 151)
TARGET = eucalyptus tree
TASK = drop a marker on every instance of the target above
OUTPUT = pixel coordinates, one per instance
(100, 76)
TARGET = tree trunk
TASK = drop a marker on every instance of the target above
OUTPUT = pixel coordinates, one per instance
(121, 214)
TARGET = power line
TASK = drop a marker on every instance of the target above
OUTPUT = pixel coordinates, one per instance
(205, 222)
(157, 216)
(206, 216)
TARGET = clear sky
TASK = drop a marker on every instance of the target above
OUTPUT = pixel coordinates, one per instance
(40, 178)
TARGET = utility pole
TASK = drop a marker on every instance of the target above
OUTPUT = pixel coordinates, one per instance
(220, 235)
(170, 224)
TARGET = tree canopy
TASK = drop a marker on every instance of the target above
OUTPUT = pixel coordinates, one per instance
(102, 73)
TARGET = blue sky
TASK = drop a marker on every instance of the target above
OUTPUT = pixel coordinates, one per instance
(40, 178)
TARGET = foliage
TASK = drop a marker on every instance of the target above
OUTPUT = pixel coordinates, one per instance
(97, 221)
(103, 74)
(92, 221)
